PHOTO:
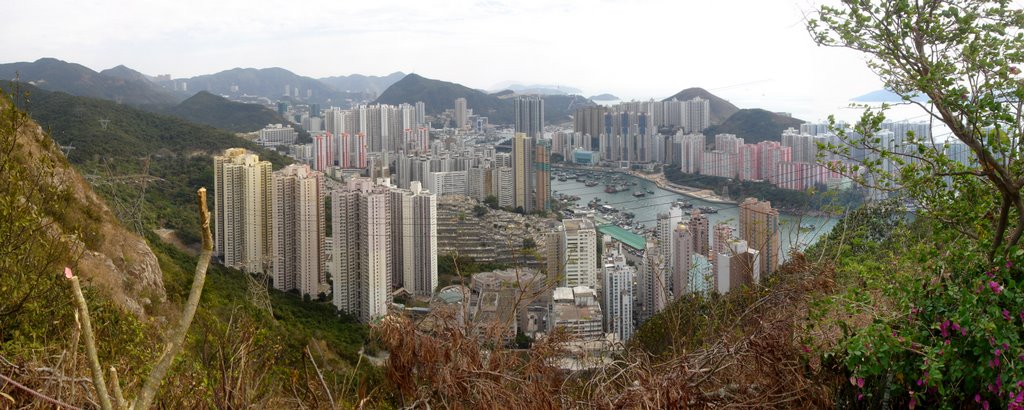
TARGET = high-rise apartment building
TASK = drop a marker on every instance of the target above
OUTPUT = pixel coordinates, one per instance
(682, 242)
(720, 241)
(530, 116)
(618, 295)
(759, 226)
(298, 230)
(579, 248)
(461, 114)
(699, 225)
(692, 155)
(523, 166)
(361, 260)
(696, 115)
(542, 175)
(414, 239)
(242, 207)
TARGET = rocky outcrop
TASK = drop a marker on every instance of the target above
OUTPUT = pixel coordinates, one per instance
(114, 259)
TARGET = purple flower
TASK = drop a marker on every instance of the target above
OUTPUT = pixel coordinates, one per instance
(920, 382)
(944, 329)
(913, 402)
(1009, 264)
(860, 382)
(984, 405)
(860, 396)
(977, 397)
(1006, 315)
(995, 287)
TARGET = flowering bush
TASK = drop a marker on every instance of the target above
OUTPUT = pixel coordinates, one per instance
(957, 338)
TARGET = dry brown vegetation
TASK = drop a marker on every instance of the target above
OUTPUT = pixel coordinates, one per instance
(753, 361)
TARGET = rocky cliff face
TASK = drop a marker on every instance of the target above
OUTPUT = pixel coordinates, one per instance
(112, 258)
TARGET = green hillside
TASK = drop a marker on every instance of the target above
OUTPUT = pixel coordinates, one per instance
(219, 112)
(755, 125)
(56, 75)
(270, 83)
(177, 152)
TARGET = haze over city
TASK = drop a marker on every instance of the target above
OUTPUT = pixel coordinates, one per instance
(755, 54)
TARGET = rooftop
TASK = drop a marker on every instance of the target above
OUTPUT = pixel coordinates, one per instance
(630, 239)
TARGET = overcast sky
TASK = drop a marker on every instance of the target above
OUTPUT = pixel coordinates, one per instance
(755, 53)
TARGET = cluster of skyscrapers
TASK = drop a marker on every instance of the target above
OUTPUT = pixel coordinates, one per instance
(383, 238)
(691, 256)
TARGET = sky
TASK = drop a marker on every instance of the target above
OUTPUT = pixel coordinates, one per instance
(755, 53)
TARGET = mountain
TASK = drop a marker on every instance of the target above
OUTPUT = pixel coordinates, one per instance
(219, 112)
(605, 97)
(119, 85)
(498, 107)
(126, 73)
(720, 108)
(272, 84)
(177, 152)
(884, 95)
(755, 125)
(358, 83)
(540, 89)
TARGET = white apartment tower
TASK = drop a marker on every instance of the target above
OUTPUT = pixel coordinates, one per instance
(242, 209)
(298, 230)
(361, 260)
(579, 248)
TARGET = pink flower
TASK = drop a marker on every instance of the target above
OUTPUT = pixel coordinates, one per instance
(69, 275)
(995, 287)
(860, 382)
(1006, 315)
(860, 396)
(805, 348)
(984, 405)
(977, 397)
(913, 403)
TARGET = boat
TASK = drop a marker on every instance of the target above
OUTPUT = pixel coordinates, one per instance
(708, 210)
(591, 183)
(562, 179)
(682, 204)
(639, 194)
(650, 191)
(580, 179)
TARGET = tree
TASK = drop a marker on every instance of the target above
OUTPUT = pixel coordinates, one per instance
(491, 201)
(959, 61)
(529, 243)
(479, 210)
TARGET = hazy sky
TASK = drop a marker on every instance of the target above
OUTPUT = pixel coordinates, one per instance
(756, 53)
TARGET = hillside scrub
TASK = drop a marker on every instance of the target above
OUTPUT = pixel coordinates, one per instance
(933, 311)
